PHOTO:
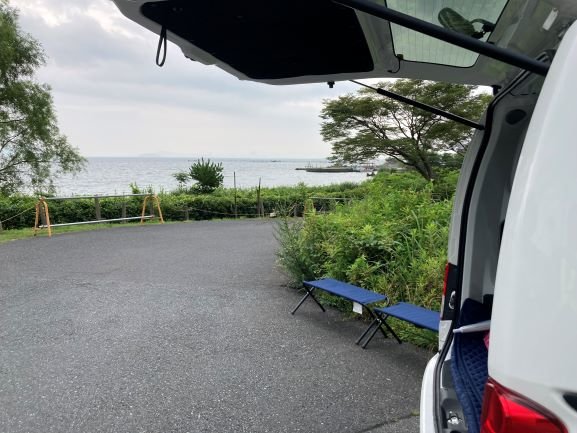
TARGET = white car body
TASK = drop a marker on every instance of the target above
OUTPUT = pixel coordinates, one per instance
(533, 343)
(534, 346)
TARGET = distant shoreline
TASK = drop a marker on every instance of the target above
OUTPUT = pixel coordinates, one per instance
(106, 175)
(222, 158)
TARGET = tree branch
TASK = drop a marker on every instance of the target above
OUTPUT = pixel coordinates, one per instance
(375, 129)
(10, 140)
(22, 119)
(11, 163)
(400, 125)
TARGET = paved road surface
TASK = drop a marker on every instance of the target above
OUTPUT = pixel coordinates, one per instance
(184, 328)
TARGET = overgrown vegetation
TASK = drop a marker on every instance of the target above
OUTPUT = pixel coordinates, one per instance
(393, 242)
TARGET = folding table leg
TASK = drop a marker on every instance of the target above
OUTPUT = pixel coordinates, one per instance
(377, 325)
(373, 323)
(381, 321)
(309, 293)
(391, 330)
(372, 334)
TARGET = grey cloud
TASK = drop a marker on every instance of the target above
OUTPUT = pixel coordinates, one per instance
(91, 52)
(92, 61)
(81, 43)
(92, 68)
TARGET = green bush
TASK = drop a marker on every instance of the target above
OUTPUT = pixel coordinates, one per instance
(17, 211)
(219, 204)
(393, 241)
(207, 175)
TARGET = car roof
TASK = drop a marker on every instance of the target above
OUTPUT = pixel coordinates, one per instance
(308, 41)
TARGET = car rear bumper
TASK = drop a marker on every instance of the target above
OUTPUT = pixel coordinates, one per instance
(427, 408)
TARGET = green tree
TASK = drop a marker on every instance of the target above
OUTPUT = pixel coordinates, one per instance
(182, 178)
(207, 175)
(32, 149)
(365, 125)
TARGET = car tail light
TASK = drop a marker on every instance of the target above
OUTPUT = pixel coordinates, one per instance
(449, 288)
(505, 411)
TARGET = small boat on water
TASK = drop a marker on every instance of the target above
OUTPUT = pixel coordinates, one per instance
(333, 169)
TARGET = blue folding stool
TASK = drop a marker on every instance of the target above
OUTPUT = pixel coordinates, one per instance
(418, 316)
(349, 292)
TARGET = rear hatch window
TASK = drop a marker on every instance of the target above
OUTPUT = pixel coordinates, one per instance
(469, 16)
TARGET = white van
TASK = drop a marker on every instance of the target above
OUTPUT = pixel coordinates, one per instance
(512, 265)
(512, 260)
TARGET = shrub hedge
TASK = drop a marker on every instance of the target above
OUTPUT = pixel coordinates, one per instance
(219, 204)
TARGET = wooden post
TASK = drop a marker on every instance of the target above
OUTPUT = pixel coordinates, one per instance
(235, 205)
(45, 215)
(151, 207)
(261, 206)
(42, 213)
(1, 228)
(186, 215)
(258, 214)
(36, 217)
(97, 208)
(157, 201)
(143, 209)
(123, 214)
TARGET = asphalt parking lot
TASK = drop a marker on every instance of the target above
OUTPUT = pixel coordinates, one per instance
(185, 328)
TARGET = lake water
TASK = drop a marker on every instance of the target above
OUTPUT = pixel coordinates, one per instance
(114, 175)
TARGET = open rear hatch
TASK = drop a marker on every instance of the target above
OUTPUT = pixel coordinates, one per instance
(306, 41)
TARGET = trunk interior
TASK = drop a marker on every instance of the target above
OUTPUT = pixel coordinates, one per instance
(462, 371)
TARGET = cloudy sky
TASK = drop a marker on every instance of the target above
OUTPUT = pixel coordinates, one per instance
(112, 99)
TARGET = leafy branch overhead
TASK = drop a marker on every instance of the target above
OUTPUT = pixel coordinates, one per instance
(366, 125)
(32, 149)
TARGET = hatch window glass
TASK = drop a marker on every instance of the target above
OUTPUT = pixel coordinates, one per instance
(473, 17)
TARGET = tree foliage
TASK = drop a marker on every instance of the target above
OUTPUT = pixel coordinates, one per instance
(365, 125)
(207, 175)
(32, 149)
